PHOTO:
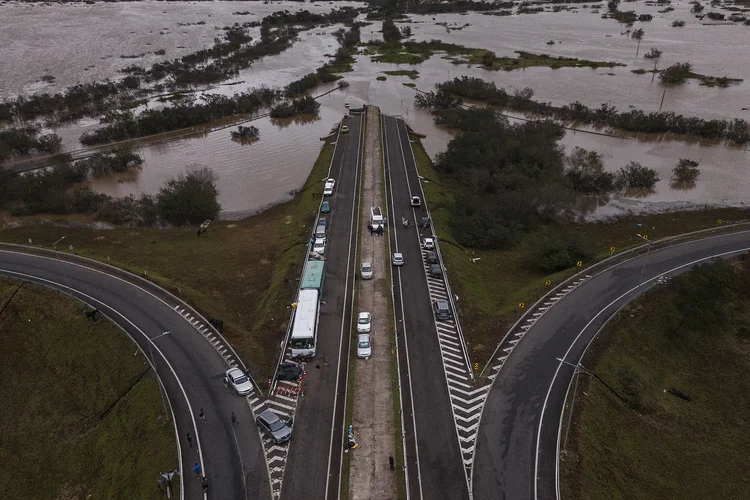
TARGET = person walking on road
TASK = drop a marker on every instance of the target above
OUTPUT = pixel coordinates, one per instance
(189, 439)
(202, 416)
(204, 483)
(234, 418)
(391, 463)
(197, 470)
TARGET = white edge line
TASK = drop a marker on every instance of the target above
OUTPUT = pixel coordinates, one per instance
(406, 344)
(445, 376)
(560, 364)
(148, 340)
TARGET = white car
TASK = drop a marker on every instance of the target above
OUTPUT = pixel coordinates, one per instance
(428, 243)
(415, 201)
(364, 322)
(331, 181)
(398, 259)
(365, 272)
(364, 346)
(240, 382)
(319, 246)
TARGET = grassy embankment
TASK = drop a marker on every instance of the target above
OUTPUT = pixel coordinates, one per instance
(418, 52)
(244, 272)
(81, 416)
(491, 288)
(667, 448)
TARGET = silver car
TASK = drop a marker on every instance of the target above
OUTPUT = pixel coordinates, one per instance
(274, 426)
(240, 382)
(364, 346)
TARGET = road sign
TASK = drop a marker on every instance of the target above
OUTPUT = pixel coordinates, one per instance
(521, 305)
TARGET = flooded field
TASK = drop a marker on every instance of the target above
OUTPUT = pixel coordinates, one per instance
(80, 43)
(254, 176)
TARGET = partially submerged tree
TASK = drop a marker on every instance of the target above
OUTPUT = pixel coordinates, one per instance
(676, 73)
(654, 53)
(191, 198)
(585, 170)
(686, 171)
(634, 175)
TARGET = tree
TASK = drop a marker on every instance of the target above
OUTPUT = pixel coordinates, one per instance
(654, 53)
(551, 249)
(700, 297)
(634, 175)
(585, 170)
(190, 198)
(686, 171)
(638, 35)
(676, 73)
(391, 33)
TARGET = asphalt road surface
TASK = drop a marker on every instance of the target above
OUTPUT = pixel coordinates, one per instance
(527, 390)
(314, 460)
(435, 466)
(190, 369)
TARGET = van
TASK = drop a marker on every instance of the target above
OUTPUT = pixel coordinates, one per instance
(320, 232)
(376, 217)
(436, 271)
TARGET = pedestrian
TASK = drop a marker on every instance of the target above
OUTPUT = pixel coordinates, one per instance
(202, 416)
(197, 470)
(204, 483)
(234, 418)
(190, 439)
(390, 462)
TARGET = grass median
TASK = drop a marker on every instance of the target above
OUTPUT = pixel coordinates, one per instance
(651, 443)
(492, 284)
(81, 415)
(244, 272)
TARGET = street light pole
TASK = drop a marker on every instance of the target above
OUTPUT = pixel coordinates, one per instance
(643, 267)
(153, 365)
(62, 270)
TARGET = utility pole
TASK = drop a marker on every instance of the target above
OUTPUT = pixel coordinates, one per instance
(153, 365)
(653, 74)
(62, 270)
(662, 97)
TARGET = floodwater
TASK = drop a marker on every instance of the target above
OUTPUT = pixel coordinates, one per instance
(80, 43)
(267, 171)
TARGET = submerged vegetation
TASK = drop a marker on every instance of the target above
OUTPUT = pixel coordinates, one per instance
(303, 106)
(418, 52)
(680, 72)
(735, 130)
(24, 141)
(245, 133)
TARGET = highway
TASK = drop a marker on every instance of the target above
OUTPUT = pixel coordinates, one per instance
(314, 460)
(516, 453)
(189, 366)
(434, 461)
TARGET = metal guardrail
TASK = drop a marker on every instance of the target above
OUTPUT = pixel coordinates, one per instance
(273, 381)
(442, 265)
(599, 267)
(133, 279)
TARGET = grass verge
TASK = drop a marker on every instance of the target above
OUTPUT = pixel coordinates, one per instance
(491, 284)
(244, 272)
(82, 416)
(666, 447)
(418, 52)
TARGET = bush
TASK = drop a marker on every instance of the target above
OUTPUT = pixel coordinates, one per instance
(191, 198)
(585, 170)
(676, 73)
(551, 249)
(686, 171)
(302, 106)
(391, 33)
(634, 175)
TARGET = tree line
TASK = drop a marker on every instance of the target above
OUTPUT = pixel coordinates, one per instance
(28, 140)
(189, 198)
(735, 130)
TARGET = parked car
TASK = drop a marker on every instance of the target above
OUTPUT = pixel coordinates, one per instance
(424, 222)
(364, 322)
(398, 259)
(237, 380)
(328, 189)
(319, 246)
(364, 346)
(273, 426)
(415, 201)
(428, 243)
(322, 221)
(344, 129)
(442, 309)
(431, 257)
(436, 271)
(325, 207)
(365, 272)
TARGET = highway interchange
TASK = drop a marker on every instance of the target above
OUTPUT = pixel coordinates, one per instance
(496, 439)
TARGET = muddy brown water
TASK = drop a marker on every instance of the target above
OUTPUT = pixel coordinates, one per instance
(265, 172)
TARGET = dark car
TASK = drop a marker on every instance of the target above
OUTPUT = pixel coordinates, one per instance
(431, 257)
(274, 426)
(442, 309)
(436, 271)
(424, 222)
